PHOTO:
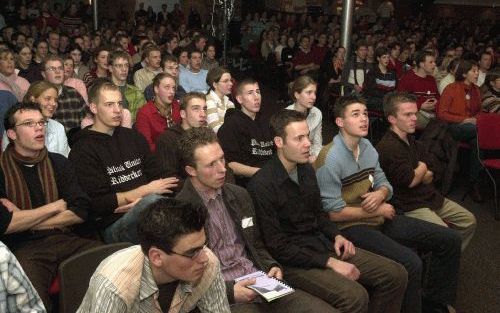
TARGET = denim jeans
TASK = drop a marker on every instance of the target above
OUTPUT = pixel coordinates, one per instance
(125, 228)
(396, 240)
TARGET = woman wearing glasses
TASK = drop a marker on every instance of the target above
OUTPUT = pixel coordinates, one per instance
(220, 82)
(45, 94)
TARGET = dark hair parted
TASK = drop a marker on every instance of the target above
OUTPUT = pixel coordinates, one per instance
(338, 109)
(190, 96)
(395, 98)
(192, 139)
(164, 221)
(463, 67)
(280, 120)
(9, 121)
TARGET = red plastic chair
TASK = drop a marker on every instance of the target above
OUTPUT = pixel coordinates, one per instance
(488, 139)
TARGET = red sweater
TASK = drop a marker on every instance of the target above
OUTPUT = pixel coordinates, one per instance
(396, 67)
(455, 107)
(150, 123)
(423, 88)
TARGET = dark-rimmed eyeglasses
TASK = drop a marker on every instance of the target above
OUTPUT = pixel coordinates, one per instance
(193, 254)
(32, 124)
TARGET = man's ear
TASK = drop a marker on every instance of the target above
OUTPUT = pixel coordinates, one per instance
(183, 114)
(154, 255)
(239, 98)
(191, 171)
(339, 121)
(278, 141)
(43, 74)
(391, 119)
(11, 134)
(93, 108)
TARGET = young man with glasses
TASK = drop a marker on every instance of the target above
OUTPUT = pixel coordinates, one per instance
(70, 104)
(232, 230)
(171, 270)
(119, 67)
(41, 200)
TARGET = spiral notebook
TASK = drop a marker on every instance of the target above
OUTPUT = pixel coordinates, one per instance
(268, 287)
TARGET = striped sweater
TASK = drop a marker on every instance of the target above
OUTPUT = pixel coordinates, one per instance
(343, 180)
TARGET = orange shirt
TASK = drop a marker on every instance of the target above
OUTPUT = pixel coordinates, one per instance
(458, 102)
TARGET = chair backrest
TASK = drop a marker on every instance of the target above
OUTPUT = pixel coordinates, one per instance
(76, 271)
(488, 131)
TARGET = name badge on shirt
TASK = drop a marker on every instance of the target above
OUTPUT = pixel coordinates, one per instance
(247, 222)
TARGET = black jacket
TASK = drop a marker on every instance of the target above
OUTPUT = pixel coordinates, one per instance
(106, 165)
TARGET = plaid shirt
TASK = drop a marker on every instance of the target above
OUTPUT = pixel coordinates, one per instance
(17, 294)
(71, 108)
(124, 283)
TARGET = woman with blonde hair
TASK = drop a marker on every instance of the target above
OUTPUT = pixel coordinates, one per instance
(303, 92)
(220, 82)
(45, 95)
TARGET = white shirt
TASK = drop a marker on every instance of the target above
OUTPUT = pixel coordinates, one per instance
(216, 110)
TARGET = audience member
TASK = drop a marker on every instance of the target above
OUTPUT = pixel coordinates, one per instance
(485, 62)
(220, 82)
(115, 167)
(194, 77)
(100, 69)
(44, 94)
(355, 193)
(193, 112)
(43, 199)
(71, 81)
(245, 136)
(237, 244)
(422, 84)
(16, 290)
(152, 60)
(7, 99)
(379, 81)
(355, 70)
(25, 66)
(314, 255)
(79, 67)
(450, 77)
(303, 92)
(70, 104)
(459, 105)
(209, 61)
(304, 60)
(132, 97)
(160, 113)
(394, 63)
(9, 80)
(405, 164)
(170, 66)
(490, 92)
(171, 269)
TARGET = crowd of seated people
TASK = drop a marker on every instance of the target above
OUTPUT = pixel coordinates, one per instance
(101, 130)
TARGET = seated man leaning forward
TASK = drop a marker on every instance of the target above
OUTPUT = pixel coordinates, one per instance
(406, 168)
(171, 270)
(315, 256)
(115, 167)
(232, 230)
(355, 191)
(42, 200)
